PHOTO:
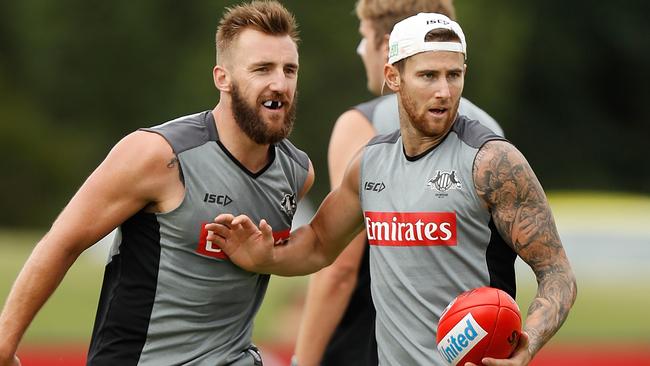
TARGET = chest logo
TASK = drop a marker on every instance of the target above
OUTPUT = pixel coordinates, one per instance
(218, 199)
(444, 181)
(288, 204)
(374, 186)
(409, 229)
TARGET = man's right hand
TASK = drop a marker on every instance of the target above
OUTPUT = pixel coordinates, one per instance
(246, 245)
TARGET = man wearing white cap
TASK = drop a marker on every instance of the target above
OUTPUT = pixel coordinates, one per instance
(337, 326)
(447, 206)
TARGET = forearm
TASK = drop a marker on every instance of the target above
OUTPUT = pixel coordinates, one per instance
(325, 304)
(556, 294)
(303, 254)
(39, 277)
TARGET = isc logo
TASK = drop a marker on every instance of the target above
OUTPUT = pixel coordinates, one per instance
(461, 339)
(374, 186)
(221, 199)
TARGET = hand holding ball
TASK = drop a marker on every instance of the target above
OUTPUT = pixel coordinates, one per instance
(484, 322)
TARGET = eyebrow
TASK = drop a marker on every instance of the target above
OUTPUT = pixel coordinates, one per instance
(435, 71)
(270, 64)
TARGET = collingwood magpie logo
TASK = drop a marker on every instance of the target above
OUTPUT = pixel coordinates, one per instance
(288, 204)
(444, 181)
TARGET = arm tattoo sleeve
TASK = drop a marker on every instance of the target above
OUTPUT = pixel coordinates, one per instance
(521, 213)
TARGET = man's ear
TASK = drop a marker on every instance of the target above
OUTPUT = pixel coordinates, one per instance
(221, 77)
(391, 77)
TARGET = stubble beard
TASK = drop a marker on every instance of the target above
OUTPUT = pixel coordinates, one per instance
(250, 120)
(419, 121)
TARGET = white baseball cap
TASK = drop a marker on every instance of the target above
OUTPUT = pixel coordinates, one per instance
(407, 37)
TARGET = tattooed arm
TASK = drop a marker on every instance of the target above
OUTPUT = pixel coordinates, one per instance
(519, 208)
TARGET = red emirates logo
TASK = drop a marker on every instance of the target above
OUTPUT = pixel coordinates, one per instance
(411, 228)
(210, 249)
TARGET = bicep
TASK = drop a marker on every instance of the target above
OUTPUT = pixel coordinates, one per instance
(519, 208)
(125, 182)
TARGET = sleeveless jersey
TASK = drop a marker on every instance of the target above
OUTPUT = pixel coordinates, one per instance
(353, 341)
(430, 238)
(169, 297)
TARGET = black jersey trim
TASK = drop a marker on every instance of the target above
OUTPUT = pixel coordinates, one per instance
(242, 167)
(128, 294)
(501, 262)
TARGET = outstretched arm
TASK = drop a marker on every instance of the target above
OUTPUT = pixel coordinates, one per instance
(521, 212)
(309, 248)
(118, 188)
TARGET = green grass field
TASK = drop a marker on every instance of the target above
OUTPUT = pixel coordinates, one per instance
(611, 311)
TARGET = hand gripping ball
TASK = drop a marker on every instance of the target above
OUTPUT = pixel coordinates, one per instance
(483, 322)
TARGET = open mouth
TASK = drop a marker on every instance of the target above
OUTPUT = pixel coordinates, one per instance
(273, 104)
(438, 111)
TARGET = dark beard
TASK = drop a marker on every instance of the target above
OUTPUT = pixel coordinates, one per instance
(249, 120)
(419, 121)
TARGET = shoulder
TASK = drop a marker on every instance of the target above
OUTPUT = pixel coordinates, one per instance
(288, 149)
(495, 156)
(142, 165)
(142, 149)
(473, 133)
(368, 108)
(186, 132)
(390, 138)
(352, 119)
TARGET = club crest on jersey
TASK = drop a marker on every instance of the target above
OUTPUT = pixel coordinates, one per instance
(288, 204)
(444, 181)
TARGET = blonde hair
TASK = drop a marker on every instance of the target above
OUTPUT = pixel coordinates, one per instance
(384, 14)
(269, 17)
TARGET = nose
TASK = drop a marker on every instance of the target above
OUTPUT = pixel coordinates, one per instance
(442, 89)
(279, 82)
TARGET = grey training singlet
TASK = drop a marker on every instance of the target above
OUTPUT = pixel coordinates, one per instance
(171, 298)
(353, 342)
(430, 238)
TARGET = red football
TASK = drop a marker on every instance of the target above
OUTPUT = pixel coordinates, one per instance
(484, 322)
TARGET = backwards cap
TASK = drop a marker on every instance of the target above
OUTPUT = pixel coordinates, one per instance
(407, 37)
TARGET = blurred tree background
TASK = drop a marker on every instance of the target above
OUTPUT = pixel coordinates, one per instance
(568, 81)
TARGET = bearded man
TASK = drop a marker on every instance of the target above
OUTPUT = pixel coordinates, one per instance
(170, 296)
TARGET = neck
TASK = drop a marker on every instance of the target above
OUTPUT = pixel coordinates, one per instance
(250, 154)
